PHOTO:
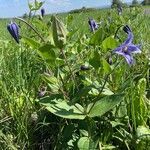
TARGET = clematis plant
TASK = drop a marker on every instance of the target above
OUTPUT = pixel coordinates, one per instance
(93, 24)
(13, 30)
(128, 48)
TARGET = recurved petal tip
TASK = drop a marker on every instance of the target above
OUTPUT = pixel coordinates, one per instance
(134, 48)
(127, 29)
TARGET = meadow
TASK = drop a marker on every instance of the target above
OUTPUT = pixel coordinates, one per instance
(64, 88)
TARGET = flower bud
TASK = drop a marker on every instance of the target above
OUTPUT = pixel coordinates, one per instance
(42, 12)
(84, 68)
(14, 31)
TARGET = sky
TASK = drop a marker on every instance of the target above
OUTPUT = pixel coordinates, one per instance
(14, 8)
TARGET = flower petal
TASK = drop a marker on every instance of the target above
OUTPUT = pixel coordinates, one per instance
(129, 58)
(93, 25)
(118, 50)
(129, 39)
(134, 48)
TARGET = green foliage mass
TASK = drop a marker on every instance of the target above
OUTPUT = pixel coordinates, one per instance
(62, 88)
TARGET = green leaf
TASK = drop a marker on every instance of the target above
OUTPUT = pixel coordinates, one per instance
(50, 79)
(86, 143)
(69, 19)
(34, 44)
(35, 5)
(95, 60)
(106, 66)
(62, 108)
(143, 138)
(30, 6)
(104, 105)
(143, 131)
(50, 37)
(109, 43)
(47, 53)
(59, 32)
(52, 82)
(98, 37)
(140, 103)
(142, 86)
(105, 91)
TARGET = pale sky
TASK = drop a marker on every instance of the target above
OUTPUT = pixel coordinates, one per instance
(14, 8)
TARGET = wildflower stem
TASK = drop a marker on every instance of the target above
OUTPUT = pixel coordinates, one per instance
(71, 72)
(95, 100)
(31, 28)
(115, 36)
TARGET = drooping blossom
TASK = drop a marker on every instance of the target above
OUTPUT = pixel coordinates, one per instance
(93, 24)
(14, 31)
(42, 12)
(128, 48)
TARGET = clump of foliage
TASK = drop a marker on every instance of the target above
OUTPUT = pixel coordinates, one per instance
(76, 83)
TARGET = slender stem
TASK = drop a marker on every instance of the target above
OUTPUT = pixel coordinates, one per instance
(73, 77)
(115, 36)
(31, 28)
(95, 100)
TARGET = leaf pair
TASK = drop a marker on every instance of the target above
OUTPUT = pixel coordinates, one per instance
(64, 109)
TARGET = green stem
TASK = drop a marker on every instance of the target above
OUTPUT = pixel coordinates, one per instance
(95, 100)
(65, 58)
(31, 28)
(115, 36)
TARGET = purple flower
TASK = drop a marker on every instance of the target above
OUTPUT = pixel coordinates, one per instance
(93, 25)
(128, 48)
(14, 31)
(42, 12)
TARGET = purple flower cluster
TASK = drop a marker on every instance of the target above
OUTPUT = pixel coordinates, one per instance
(128, 48)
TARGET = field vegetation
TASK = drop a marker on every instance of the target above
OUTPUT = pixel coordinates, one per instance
(65, 86)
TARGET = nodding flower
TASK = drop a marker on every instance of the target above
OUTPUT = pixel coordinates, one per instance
(42, 12)
(13, 30)
(128, 48)
(93, 24)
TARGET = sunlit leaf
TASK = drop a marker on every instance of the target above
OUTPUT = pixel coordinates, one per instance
(47, 53)
(31, 42)
(109, 43)
(62, 108)
(86, 143)
(104, 105)
(97, 37)
(59, 32)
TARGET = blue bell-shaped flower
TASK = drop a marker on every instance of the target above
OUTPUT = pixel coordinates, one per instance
(14, 31)
(42, 12)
